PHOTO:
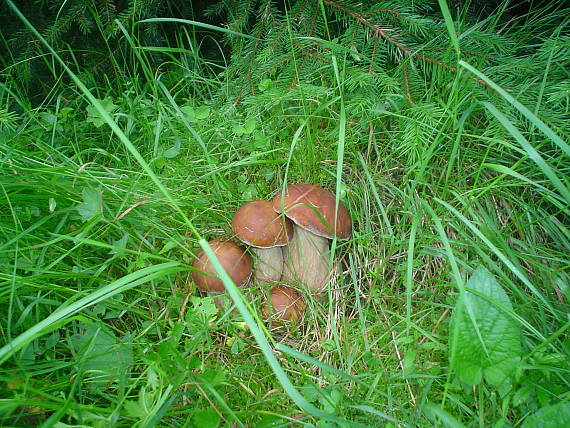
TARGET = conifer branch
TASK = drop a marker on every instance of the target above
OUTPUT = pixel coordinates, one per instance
(384, 33)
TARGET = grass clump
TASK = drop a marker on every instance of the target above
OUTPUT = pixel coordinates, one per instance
(450, 302)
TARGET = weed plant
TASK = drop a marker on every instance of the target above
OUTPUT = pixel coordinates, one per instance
(445, 136)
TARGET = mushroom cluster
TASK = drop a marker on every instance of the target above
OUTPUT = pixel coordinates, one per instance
(289, 238)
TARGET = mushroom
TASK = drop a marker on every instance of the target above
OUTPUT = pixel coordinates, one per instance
(233, 259)
(258, 225)
(286, 305)
(312, 209)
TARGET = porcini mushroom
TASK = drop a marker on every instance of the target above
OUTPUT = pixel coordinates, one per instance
(258, 225)
(312, 209)
(284, 304)
(233, 259)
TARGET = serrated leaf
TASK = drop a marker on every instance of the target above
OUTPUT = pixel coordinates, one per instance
(485, 341)
(93, 115)
(48, 118)
(555, 416)
(408, 361)
(204, 306)
(310, 393)
(354, 52)
(434, 412)
(92, 204)
(121, 244)
(214, 376)
(521, 395)
(377, 109)
(237, 345)
(52, 340)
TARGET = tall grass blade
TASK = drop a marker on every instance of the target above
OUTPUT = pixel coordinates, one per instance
(516, 271)
(198, 24)
(280, 374)
(530, 150)
(63, 312)
(450, 26)
(524, 110)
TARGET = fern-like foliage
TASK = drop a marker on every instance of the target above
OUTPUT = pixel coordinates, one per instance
(372, 36)
(85, 32)
(385, 46)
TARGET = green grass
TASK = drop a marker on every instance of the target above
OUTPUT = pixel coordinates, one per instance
(109, 190)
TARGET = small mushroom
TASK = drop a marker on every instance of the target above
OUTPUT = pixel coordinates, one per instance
(285, 304)
(233, 259)
(258, 225)
(312, 209)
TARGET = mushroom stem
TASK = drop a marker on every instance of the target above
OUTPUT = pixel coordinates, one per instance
(268, 264)
(306, 259)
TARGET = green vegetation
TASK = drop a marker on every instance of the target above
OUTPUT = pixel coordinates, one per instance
(443, 131)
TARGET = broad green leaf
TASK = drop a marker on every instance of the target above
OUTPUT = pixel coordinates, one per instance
(485, 340)
(95, 117)
(92, 204)
(134, 409)
(238, 129)
(265, 84)
(207, 418)
(214, 376)
(204, 306)
(237, 345)
(194, 114)
(97, 349)
(434, 412)
(555, 416)
(262, 141)
(189, 113)
(202, 112)
(171, 152)
(250, 125)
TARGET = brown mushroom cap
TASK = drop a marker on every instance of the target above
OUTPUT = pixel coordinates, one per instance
(258, 225)
(286, 304)
(313, 208)
(233, 259)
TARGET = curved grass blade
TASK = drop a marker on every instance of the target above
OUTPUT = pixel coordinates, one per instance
(60, 314)
(434, 411)
(108, 119)
(517, 272)
(230, 286)
(198, 24)
(530, 150)
(266, 349)
(450, 27)
(525, 111)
